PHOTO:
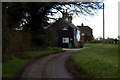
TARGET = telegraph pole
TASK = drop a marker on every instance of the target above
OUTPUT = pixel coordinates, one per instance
(103, 24)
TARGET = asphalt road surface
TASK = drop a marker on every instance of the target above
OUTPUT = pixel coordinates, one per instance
(52, 66)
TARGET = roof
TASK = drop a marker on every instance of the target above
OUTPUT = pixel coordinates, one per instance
(71, 24)
(61, 22)
(84, 27)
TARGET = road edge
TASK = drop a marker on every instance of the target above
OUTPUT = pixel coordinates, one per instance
(20, 71)
(70, 68)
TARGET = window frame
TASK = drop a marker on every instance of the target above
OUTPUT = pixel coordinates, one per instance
(82, 34)
(65, 40)
(65, 28)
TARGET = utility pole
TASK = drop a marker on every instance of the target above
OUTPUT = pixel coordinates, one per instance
(103, 24)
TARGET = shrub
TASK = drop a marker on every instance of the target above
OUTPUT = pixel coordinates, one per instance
(80, 44)
(16, 41)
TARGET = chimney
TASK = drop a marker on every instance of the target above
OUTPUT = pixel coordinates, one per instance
(70, 18)
(82, 24)
(65, 15)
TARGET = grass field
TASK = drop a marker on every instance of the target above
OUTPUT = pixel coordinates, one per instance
(12, 66)
(99, 61)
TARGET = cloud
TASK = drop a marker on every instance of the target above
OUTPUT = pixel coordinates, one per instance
(96, 22)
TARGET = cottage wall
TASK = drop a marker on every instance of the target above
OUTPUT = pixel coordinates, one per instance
(84, 30)
(57, 27)
(65, 34)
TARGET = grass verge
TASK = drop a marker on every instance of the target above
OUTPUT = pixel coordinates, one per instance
(10, 67)
(99, 61)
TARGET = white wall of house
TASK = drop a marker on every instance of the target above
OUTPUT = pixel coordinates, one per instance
(78, 35)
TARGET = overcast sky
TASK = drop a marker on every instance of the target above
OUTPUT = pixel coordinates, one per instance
(96, 22)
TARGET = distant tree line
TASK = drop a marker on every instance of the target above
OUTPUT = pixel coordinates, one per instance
(106, 41)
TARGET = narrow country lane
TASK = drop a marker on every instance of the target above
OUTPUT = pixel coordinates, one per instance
(52, 66)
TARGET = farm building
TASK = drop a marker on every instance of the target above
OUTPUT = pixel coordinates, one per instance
(85, 31)
(65, 32)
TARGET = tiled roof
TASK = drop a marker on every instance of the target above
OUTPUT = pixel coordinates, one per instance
(71, 24)
(63, 22)
(84, 27)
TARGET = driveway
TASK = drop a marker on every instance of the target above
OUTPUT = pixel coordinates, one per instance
(52, 66)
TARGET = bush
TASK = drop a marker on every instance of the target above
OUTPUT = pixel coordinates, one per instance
(89, 37)
(80, 44)
(16, 42)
